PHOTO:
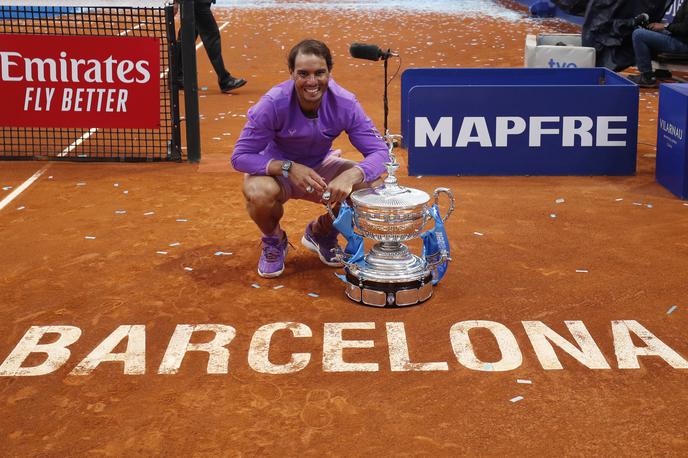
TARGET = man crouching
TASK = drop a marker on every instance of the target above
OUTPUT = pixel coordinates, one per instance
(285, 151)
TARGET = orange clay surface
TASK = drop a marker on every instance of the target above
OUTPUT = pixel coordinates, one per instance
(629, 234)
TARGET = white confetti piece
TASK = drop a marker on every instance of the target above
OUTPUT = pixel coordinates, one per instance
(116, 185)
(671, 309)
(516, 399)
(126, 191)
(90, 237)
(255, 285)
(161, 252)
(313, 295)
(182, 220)
(81, 184)
(278, 287)
(524, 382)
(648, 205)
(419, 176)
(552, 215)
(619, 199)
(50, 177)
(21, 208)
(149, 213)
(120, 212)
(582, 271)
(217, 138)
(175, 244)
(685, 205)
(560, 200)
(6, 188)
(640, 204)
(478, 233)
(188, 269)
(223, 253)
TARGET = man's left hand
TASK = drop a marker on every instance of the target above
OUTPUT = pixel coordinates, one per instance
(340, 187)
(656, 26)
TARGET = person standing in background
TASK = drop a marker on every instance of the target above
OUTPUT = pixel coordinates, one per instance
(206, 27)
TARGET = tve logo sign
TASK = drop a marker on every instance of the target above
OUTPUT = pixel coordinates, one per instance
(555, 64)
(524, 122)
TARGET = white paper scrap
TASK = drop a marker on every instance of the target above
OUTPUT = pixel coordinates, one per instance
(619, 199)
(116, 185)
(120, 212)
(638, 203)
(161, 252)
(278, 287)
(223, 253)
(552, 215)
(90, 237)
(478, 233)
(671, 309)
(313, 295)
(582, 271)
(175, 244)
(21, 208)
(516, 399)
(126, 191)
(81, 184)
(149, 213)
(648, 205)
(6, 188)
(188, 269)
(560, 200)
(255, 285)
(182, 220)
(524, 382)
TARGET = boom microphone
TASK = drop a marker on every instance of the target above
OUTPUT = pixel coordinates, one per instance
(369, 52)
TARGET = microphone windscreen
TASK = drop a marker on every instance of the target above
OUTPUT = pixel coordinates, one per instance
(363, 51)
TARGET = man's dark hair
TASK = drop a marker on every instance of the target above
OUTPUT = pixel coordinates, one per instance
(313, 47)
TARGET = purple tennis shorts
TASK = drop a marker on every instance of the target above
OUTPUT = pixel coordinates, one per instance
(328, 169)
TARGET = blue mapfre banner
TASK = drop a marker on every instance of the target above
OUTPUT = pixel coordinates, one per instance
(520, 122)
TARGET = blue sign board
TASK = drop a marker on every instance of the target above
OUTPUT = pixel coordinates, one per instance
(672, 151)
(519, 121)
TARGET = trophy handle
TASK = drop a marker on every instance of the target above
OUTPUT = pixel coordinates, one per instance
(448, 192)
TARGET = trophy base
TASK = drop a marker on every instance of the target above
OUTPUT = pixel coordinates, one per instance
(380, 294)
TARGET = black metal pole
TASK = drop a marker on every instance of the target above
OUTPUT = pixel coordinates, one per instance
(385, 96)
(188, 34)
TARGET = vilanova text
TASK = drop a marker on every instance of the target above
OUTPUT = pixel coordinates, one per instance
(580, 345)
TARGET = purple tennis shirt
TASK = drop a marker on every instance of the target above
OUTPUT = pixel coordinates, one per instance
(277, 129)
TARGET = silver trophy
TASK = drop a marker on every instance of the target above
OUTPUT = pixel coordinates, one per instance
(391, 214)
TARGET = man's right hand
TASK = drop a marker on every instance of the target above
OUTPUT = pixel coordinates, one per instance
(303, 177)
(656, 26)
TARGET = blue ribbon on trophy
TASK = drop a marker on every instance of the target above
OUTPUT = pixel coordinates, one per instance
(435, 244)
(344, 223)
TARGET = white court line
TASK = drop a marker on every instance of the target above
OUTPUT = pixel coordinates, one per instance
(22, 187)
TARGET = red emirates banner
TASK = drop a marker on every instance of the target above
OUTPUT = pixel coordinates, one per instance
(80, 81)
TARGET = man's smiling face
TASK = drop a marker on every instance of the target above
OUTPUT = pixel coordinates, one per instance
(311, 78)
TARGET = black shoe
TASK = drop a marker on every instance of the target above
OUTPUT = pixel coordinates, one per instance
(644, 80)
(234, 83)
(641, 20)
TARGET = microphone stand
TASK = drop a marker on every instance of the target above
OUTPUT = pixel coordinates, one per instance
(386, 108)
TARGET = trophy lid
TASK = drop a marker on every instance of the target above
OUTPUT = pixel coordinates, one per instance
(390, 196)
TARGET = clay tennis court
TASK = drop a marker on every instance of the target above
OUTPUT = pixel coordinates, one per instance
(99, 246)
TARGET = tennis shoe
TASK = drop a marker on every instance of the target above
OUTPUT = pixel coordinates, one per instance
(273, 253)
(325, 246)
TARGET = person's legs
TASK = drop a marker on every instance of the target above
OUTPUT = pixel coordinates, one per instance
(647, 43)
(264, 202)
(210, 35)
